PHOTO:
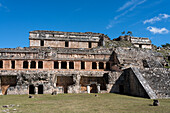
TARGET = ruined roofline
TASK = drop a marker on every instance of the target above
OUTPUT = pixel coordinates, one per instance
(104, 51)
(140, 38)
(58, 32)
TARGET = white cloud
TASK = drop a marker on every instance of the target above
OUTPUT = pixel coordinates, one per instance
(127, 4)
(109, 26)
(132, 4)
(158, 30)
(157, 18)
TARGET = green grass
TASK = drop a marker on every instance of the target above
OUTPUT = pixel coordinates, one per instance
(85, 103)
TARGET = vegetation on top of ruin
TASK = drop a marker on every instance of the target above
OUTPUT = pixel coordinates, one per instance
(167, 45)
(129, 33)
(121, 43)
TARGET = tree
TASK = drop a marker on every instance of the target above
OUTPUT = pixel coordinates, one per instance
(123, 32)
(129, 33)
(166, 45)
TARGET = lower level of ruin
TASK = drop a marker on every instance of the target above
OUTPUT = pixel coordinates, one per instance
(130, 81)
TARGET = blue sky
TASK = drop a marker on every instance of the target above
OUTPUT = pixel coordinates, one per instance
(145, 18)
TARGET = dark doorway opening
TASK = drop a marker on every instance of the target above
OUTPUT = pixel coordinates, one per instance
(42, 42)
(93, 88)
(25, 64)
(145, 64)
(40, 89)
(101, 65)
(140, 45)
(169, 58)
(71, 65)
(94, 65)
(121, 89)
(13, 64)
(31, 89)
(89, 44)
(63, 65)
(1, 64)
(33, 64)
(56, 65)
(40, 64)
(66, 44)
(107, 66)
(82, 65)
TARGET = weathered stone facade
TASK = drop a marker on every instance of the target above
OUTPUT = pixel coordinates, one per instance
(68, 62)
(136, 41)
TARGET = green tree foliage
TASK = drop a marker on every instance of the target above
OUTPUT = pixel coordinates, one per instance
(123, 32)
(166, 45)
(129, 33)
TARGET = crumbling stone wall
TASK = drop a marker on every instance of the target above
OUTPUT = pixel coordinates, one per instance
(159, 80)
(133, 57)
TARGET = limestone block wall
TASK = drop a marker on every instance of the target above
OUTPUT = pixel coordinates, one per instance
(131, 85)
(34, 43)
(159, 80)
(143, 46)
(48, 79)
(78, 44)
(7, 64)
(49, 43)
(133, 57)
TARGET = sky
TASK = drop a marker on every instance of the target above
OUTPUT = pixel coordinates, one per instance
(145, 18)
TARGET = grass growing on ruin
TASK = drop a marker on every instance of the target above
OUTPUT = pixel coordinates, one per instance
(87, 103)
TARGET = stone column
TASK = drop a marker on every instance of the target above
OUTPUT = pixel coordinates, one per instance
(67, 64)
(59, 64)
(29, 64)
(0, 81)
(88, 88)
(98, 88)
(10, 64)
(55, 80)
(104, 65)
(36, 89)
(97, 65)
(36, 64)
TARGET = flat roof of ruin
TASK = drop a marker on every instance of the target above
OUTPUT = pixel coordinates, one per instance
(53, 32)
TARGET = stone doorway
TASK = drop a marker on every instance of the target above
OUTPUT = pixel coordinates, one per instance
(31, 89)
(85, 81)
(6, 82)
(64, 81)
(40, 89)
(93, 88)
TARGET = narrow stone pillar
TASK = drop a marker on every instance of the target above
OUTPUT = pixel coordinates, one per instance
(97, 65)
(36, 90)
(67, 64)
(29, 64)
(10, 64)
(36, 64)
(55, 80)
(0, 82)
(88, 88)
(59, 64)
(98, 88)
(104, 65)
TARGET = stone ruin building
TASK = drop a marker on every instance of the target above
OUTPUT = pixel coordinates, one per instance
(75, 62)
(136, 41)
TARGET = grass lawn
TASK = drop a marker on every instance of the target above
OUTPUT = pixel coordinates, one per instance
(87, 103)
